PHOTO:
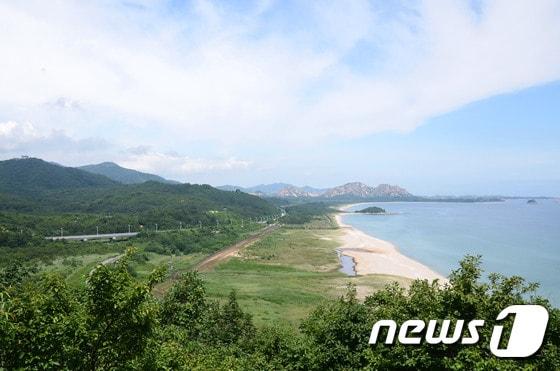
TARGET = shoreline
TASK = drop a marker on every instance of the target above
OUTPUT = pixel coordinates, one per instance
(372, 255)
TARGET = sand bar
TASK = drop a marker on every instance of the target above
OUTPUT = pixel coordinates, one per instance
(375, 256)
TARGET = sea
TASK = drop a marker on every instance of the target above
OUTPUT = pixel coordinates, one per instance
(514, 237)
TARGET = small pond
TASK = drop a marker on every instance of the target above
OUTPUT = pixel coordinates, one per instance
(347, 263)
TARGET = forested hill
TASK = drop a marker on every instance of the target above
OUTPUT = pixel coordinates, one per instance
(123, 175)
(31, 175)
(166, 198)
(36, 193)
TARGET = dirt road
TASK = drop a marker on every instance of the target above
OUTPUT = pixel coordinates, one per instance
(112, 260)
(230, 251)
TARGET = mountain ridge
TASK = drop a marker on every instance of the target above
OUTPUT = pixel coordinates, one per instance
(39, 196)
(123, 175)
(351, 189)
(29, 175)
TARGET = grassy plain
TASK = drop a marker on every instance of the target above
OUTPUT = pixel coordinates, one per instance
(75, 259)
(76, 268)
(279, 278)
(288, 273)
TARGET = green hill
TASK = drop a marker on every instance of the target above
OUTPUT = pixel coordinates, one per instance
(123, 175)
(31, 175)
(41, 197)
(185, 199)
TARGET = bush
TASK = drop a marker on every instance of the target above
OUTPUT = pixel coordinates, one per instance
(116, 323)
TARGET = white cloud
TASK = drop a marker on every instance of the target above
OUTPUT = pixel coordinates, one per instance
(177, 166)
(13, 135)
(210, 73)
(64, 104)
(25, 139)
(18, 139)
(458, 58)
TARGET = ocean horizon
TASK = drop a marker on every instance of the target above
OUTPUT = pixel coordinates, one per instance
(513, 237)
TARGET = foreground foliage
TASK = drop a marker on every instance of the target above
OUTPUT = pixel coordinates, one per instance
(116, 323)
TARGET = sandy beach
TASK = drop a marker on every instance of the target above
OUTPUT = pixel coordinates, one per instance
(374, 256)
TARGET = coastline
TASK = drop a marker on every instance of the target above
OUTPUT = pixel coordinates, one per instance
(375, 256)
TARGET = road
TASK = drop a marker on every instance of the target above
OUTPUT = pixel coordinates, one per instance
(228, 252)
(213, 259)
(86, 237)
(112, 260)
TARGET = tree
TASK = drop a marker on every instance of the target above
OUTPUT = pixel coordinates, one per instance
(15, 273)
(44, 324)
(227, 323)
(120, 314)
(116, 323)
(340, 330)
(38, 324)
(185, 304)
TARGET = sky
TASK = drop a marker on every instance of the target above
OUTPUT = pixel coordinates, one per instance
(440, 97)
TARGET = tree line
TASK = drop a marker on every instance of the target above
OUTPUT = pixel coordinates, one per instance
(115, 322)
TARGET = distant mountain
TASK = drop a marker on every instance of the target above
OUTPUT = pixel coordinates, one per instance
(268, 189)
(355, 190)
(387, 190)
(123, 175)
(312, 190)
(349, 192)
(361, 190)
(283, 190)
(29, 175)
(292, 191)
(231, 188)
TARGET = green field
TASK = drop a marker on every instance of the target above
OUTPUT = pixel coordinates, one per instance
(76, 268)
(75, 259)
(281, 277)
(286, 274)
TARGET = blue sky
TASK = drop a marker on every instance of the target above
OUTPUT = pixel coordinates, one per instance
(508, 144)
(447, 97)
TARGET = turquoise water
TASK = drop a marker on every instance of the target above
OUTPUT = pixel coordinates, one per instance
(513, 237)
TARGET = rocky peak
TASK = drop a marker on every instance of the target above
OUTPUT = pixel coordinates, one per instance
(352, 189)
(391, 191)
